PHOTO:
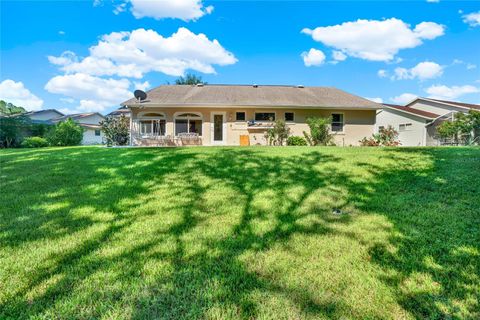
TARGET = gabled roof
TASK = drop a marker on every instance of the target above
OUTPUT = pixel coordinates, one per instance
(77, 116)
(460, 104)
(43, 111)
(120, 111)
(446, 102)
(417, 112)
(256, 95)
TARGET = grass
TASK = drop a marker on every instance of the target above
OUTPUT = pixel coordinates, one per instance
(240, 233)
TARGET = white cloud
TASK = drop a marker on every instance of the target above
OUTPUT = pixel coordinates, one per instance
(16, 93)
(373, 39)
(339, 55)
(422, 71)
(448, 93)
(404, 98)
(141, 85)
(471, 66)
(61, 32)
(132, 54)
(382, 73)
(95, 94)
(472, 19)
(313, 57)
(433, 1)
(377, 100)
(185, 10)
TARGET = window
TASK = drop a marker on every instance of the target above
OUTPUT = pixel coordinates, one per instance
(188, 123)
(337, 122)
(152, 127)
(264, 116)
(289, 116)
(240, 116)
(405, 127)
(97, 132)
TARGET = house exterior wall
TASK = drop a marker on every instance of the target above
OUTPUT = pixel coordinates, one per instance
(90, 138)
(357, 123)
(93, 119)
(413, 137)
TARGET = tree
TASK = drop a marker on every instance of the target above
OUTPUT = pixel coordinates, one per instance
(65, 133)
(189, 79)
(7, 108)
(278, 134)
(319, 131)
(464, 128)
(116, 130)
(12, 129)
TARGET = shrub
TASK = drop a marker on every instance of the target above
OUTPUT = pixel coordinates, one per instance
(34, 142)
(12, 130)
(319, 132)
(463, 129)
(278, 134)
(387, 137)
(65, 133)
(296, 141)
(116, 130)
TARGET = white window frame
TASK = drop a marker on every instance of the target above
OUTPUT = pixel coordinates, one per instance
(289, 121)
(407, 127)
(264, 111)
(158, 116)
(343, 122)
(177, 116)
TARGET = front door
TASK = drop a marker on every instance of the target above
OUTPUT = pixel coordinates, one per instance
(218, 128)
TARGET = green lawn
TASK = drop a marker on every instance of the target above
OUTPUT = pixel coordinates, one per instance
(247, 233)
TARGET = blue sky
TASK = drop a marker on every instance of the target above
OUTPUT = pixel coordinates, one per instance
(90, 55)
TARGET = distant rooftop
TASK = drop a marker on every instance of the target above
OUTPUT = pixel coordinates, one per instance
(253, 95)
(422, 113)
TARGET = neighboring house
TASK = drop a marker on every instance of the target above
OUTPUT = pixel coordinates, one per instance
(44, 116)
(120, 111)
(90, 122)
(417, 122)
(241, 114)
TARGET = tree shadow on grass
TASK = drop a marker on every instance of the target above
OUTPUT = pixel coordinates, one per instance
(207, 276)
(432, 258)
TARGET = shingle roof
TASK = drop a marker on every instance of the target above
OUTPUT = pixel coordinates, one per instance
(248, 95)
(461, 104)
(76, 116)
(42, 111)
(422, 113)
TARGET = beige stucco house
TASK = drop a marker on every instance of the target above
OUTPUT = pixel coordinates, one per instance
(417, 121)
(241, 114)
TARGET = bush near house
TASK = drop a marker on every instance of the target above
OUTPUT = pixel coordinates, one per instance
(296, 141)
(116, 130)
(387, 137)
(240, 233)
(34, 142)
(65, 133)
(319, 132)
(277, 135)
